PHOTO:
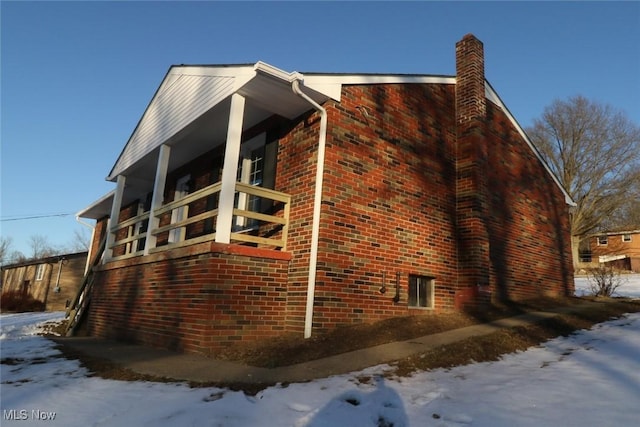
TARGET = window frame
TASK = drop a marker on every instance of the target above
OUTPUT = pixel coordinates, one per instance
(251, 166)
(40, 272)
(429, 292)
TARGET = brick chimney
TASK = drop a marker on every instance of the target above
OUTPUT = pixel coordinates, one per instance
(472, 193)
(470, 98)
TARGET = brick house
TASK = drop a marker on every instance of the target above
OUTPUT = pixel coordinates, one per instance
(53, 281)
(251, 202)
(620, 249)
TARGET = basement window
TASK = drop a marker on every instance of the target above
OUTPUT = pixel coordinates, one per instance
(420, 291)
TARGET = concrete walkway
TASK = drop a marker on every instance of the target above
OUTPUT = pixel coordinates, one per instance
(196, 368)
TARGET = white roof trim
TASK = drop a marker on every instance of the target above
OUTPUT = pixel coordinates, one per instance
(493, 97)
(212, 70)
(277, 72)
(615, 233)
(376, 79)
(107, 198)
(331, 84)
(608, 258)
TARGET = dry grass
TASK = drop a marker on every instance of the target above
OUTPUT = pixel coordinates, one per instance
(290, 350)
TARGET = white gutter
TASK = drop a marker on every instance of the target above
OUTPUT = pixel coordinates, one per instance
(317, 202)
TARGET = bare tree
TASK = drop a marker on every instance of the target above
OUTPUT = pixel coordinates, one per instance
(5, 249)
(594, 150)
(604, 281)
(628, 216)
(17, 256)
(40, 247)
(81, 240)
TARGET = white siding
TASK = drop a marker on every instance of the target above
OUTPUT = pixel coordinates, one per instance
(181, 99)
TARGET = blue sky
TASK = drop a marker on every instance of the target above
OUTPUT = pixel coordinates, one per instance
(77, 76)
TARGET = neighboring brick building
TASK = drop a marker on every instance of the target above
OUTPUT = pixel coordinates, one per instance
(52, 281)
(620, 249)
(287, 202)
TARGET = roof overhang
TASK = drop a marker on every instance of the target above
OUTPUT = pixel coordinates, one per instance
(190, 111)
(615, 233)
(98, 209)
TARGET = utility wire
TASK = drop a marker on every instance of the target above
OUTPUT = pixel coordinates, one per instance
(25, 217)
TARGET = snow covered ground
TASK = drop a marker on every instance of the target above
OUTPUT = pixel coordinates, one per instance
(629, 286)
(591, 378)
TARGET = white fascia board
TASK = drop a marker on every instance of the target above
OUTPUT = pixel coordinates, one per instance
(101, 201)
(376, 79)
(265, 69)
(331, 84)
(492, 96)
(276, 72)
(211, 70)
(617, 233)
(608, 258)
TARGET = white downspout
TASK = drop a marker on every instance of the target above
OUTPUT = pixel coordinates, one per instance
(317, 203)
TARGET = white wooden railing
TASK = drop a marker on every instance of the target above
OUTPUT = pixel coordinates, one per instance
(269, 230)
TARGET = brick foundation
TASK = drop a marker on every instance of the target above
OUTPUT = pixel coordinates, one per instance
(195, 299)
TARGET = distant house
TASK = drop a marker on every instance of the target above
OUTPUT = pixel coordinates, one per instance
(251, 202)
(52, 281)
(620, 249)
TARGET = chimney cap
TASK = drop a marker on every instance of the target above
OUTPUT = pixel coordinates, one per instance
(470, 36)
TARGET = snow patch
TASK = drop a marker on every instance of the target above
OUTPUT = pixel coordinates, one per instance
(578, 371)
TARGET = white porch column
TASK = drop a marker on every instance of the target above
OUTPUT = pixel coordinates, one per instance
(158, 196)
(115, 216)
(230, 170)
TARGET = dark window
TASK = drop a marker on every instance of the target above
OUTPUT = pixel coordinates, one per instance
(420, 291)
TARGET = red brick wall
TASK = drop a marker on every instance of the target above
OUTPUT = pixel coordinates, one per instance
(297, 157)
(194, 299)
(616, 246)
(98, 235)
(529, 220)
(394, 179)
(388, 204)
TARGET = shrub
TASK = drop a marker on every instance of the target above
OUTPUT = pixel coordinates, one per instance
(16, 301)
(603, 281)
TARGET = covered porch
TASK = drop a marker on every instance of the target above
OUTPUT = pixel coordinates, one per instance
(160, 203)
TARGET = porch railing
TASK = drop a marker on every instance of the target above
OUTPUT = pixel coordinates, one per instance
(266, 227)
(132, 244)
